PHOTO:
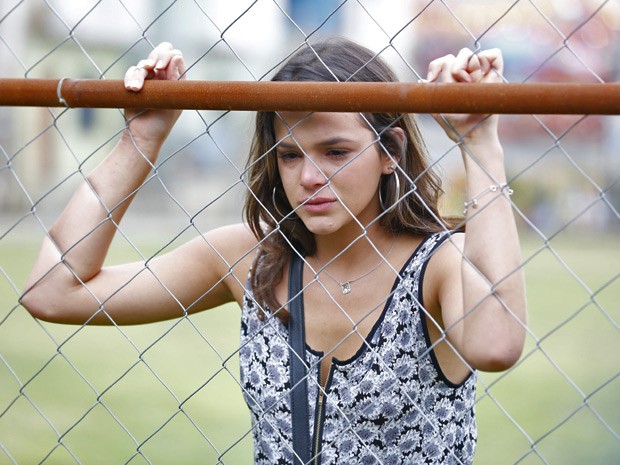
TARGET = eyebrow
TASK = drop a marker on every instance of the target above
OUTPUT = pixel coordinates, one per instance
(324, 143)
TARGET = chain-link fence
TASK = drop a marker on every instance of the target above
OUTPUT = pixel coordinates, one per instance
(170, 392)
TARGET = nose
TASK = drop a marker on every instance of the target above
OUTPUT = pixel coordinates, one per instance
(311, 175)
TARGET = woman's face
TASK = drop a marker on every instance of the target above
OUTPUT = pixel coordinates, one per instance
(330, 165)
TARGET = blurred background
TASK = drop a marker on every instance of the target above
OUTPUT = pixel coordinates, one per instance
(168, 392)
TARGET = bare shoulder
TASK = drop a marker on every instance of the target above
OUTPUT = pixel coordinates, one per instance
(443, 268)
(231, 250)
(235, 240)
(230, 246)
(450, 248)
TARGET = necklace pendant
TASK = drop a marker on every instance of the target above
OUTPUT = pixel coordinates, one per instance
(345, 287)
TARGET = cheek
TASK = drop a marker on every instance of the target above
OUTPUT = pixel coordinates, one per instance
(361, 176)
(356, 188)
(285, 172)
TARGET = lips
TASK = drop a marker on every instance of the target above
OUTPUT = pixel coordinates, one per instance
(317, 204)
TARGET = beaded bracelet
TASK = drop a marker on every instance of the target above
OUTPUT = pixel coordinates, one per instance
(503, 188)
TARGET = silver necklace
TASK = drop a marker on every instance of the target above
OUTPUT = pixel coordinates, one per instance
(345, 286)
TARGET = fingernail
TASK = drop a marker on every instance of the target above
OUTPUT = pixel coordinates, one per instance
(134, 84)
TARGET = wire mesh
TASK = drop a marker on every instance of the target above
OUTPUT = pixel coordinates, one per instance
(170, 391)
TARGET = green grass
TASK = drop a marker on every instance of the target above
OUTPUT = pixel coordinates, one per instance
(168, 392)
(566, 378)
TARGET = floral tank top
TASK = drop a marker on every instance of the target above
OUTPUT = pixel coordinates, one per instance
(389, 404)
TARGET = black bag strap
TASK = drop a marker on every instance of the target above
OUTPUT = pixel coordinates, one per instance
(298, 368)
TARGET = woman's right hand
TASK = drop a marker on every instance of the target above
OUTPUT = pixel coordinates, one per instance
(150, 128)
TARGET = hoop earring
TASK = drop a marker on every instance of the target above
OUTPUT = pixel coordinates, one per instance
(273, 201)
(397, 181)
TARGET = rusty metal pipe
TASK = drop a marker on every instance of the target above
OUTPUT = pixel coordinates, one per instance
(397, 97)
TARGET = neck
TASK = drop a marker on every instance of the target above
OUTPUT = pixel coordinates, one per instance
(347, 251)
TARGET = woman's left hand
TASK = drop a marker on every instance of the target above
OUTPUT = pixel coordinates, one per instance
(486, 66)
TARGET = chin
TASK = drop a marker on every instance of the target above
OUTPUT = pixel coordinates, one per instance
(322, 230)
(320, 227)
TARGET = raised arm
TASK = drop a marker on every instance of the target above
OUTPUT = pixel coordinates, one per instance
(67, 283)
(482, 300)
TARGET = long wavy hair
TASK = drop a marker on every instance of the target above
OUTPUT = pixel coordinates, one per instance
(416, 211)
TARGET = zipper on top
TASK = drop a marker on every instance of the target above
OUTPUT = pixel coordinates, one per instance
(320, 416)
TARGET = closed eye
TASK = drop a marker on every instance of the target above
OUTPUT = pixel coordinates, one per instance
(337, 153)
(288, 155)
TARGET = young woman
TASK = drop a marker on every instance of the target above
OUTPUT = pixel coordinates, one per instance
(400, 310)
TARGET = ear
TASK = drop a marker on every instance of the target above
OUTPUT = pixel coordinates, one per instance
(395, 142)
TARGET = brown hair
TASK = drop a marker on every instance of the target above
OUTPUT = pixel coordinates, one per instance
(335, 59)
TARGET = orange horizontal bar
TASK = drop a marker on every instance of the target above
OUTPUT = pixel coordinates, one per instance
(396, 97)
